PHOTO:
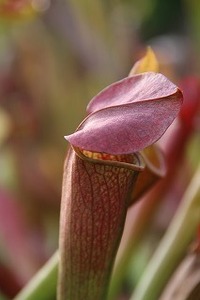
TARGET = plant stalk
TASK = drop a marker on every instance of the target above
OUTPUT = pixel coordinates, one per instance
(173, 245)
(43, 285)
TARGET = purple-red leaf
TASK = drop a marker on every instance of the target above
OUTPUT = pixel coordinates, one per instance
(145, 86)
(129, 115)
(94, 203)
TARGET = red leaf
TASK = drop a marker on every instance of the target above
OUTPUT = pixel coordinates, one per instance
(129, 115)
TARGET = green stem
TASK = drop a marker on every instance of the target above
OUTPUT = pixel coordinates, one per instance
(43, 285)
(173, 245)
(140, 219)
(2, 297)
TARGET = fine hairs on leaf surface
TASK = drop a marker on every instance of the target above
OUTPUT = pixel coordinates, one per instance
(129, 115)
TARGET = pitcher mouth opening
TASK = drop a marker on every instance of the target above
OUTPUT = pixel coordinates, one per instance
(132, 161)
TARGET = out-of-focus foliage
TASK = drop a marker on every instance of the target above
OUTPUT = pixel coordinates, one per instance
(54, 57)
